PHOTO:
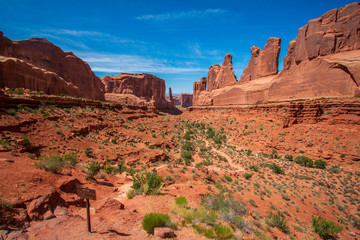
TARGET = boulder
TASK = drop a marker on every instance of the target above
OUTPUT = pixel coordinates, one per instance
(263, 62)
(39, 206)
(164, 232)
(68, 184)
(108, 203)
(39, 65)
(220, 76)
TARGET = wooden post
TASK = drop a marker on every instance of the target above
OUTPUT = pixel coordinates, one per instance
(88, 215)
(86, 193)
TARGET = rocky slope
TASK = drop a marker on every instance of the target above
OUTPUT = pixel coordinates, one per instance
(322, 61)
(39, 65)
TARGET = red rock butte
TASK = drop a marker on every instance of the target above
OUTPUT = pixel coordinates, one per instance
(322, 61)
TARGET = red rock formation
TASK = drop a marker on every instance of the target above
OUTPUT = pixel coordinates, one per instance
(38, 54)
(324, 59)
(198, 87)
(221, 76)
(335, 31)
(186, 100)
(263, 62)
(171, 97)
(143, 89)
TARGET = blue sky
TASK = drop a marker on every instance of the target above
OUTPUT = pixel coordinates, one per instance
(174, 40)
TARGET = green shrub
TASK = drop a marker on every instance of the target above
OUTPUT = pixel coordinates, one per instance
(304, 161)
(148, 183)
(247, 175)
(109, 169)
(324, 228)
(70, 159)
(254, 168)
(289, 157)
(51, 163)
(26, 140)
(277, 169)
(92, 169)
(320, 164)
(274, 154)
(181, 202)
(188, 146)
(11, 112)
(5, 205)
(207, 232)
(223, 232)
(187, 157)
(153, 220)
(277, 220)
(88, 152)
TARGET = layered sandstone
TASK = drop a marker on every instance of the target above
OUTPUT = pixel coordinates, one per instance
(23, 61)
(186, 100)
(142, 89)
(199, 87)
(220, 76)
(263, 62)
(322, 61)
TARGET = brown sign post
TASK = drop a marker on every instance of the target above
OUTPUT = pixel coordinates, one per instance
(86, 193)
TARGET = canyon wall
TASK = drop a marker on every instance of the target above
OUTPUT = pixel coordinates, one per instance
(186, 100)
(39, 65)
(136, 89)
(220, 76)
(322, 61)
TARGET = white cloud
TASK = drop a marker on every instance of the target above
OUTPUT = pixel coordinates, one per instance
(118, 63)
(181, 15)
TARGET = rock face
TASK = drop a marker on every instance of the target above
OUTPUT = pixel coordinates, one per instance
(198, 87)
(39, 65)
(171, 97)
(186, 100)
(322, 61)
(335, 31)
(221, 76)
(263, 62)
(142, 89)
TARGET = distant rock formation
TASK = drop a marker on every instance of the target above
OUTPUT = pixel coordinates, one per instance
(263, 62)
(220, 76)
(39, 65)
(322, 61)
(186, 100)
(136, 89)
(171, 97)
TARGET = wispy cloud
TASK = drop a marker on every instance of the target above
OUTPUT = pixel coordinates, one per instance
(181, 15)
(118, 63)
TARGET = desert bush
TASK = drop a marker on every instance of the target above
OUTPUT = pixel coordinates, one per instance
(70, 159)
(304, 161)
(153, 220)
(277, 169)
(52, 163)
(223, 232)
(88, 152)
(11, 112)
(324, 228)
(289, 157)
(247, 175)
(148, 183)
(187, 157)
(188, 146)
(207, 232)
(320, 164)
(277, 220)
(254, 168)
(92, 169)
(181, 202)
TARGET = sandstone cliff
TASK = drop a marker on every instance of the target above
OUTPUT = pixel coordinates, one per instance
(263, 62)
(39, 65)
(136, 89)
(322, 61)
(186, 100)
(220, 76)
